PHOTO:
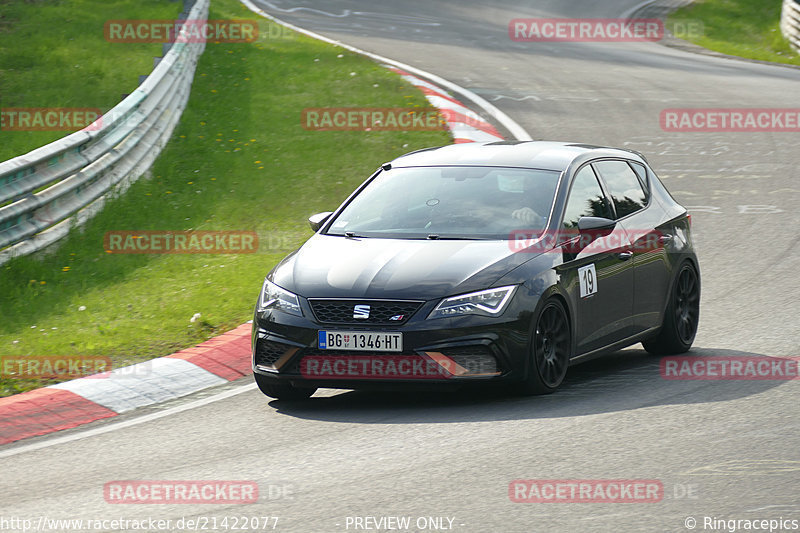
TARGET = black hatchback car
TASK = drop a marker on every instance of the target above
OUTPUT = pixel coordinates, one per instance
(481, 262)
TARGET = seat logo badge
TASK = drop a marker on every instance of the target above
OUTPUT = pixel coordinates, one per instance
(361, 312)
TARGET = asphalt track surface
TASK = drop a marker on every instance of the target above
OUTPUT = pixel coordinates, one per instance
(721, 449)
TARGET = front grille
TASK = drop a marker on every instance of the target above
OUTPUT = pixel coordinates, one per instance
(381, 312)
(477, 359)
(268, 352)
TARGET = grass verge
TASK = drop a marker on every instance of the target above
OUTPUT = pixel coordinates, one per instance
(743, 28)
(238, 160)
(54, 54)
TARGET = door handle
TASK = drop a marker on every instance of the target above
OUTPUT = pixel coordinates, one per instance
(665, 239)
(624, 256)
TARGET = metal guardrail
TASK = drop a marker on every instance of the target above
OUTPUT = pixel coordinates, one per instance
(790, 22)
(65, 183)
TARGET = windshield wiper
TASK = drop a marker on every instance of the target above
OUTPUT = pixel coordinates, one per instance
(436, 237)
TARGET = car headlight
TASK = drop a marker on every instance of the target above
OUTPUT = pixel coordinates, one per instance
(490, 302)
(274, 297)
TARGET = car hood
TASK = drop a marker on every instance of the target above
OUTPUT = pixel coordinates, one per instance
(329, 266)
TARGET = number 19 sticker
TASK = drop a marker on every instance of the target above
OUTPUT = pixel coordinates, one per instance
(587, 277)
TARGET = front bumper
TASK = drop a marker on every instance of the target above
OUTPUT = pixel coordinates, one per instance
(445, 351)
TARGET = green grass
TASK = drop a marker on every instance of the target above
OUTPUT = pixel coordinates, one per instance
(239, 160)
(54, 54)
(744, 28)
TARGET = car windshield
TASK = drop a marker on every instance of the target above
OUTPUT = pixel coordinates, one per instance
(452, 202)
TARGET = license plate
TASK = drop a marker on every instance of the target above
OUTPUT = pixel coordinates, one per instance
(362, 341)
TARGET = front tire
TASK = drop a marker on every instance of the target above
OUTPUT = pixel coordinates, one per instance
(282, 391)
(682, 316)
(550, 350)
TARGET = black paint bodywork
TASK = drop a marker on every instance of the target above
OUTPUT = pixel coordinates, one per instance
(628, 308)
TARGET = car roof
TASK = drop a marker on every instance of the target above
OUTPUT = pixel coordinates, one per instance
(546, 155)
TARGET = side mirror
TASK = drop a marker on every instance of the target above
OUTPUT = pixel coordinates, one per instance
(316, 221)
(589, 229)
(598, 226)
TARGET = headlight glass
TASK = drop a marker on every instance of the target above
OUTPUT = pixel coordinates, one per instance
(490, 302)
(274, 297)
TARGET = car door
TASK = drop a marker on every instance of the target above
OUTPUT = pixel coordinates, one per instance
(626, 183)
(598, 277)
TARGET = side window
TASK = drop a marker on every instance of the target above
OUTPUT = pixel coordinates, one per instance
(623, 186)
(641, 172)
(586, 199)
